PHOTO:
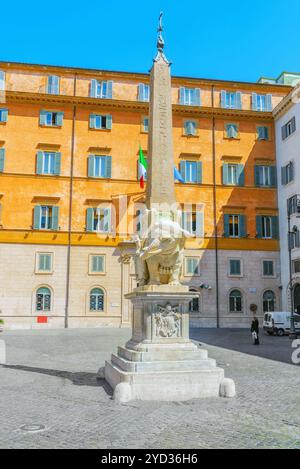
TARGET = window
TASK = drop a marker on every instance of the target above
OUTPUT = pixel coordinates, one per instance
(267, 227)
(287, 173)
(143, 92)
(294, 239)
(231, 99)
(265, 176)
(193, 222)
(288, 129)
(296, 266)
(44, 263)
(293, 205)
(234, 226)
(191, 171)
(2, 159)
(2, 80)
(97, 264)
(97, 299)
(194, 305)
(262, 133)
(192, 266)
(233, 174)
(262, 102)
(268, 269)
(235, 301)
(45, 217)
(99, 122)
(53, 84)
(232, 131)
(48, 162)
(99, 220)
(139, 221)
(99, 166)
(3, 115)
(145, 124)
(51, 119)
(101, 89)
(235, 267)
(43, 299)
(190, 128)
(189, 96)
(269, 301)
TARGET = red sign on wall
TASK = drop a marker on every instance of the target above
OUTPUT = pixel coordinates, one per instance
(42, 319)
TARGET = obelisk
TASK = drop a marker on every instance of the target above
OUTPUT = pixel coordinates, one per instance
(160, 175)
(160, 362)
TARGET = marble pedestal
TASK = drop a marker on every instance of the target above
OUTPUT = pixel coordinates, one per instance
(160, 362)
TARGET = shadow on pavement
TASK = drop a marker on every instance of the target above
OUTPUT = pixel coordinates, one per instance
(78, 378)
(240, 340)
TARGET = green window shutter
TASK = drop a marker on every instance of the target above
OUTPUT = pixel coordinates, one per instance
(273, 176)
(141, 95)
(43, 115)
(57, 164)
(107, 220)
(269, 106)
(223, 99)
(283, 176)
(238, 100)
(199, 172)
(91, 166)
(242, 227)
(2, 159)
(225, 173)
(256, 175)
(89, 219)
(284, 132)
(259, 226)
(226, 225)
(55, 212)
(93, 89)
(109, 122)
(41, 262)
(189, 265)
(241, 175)
(181, 95)
(109, 89)
(254, 101)
(197, 97)
(4, 115)
(92, 123)
(182, 169)
(275, 228)
(39, 162)
(36, 217)
(200, 224)
(60, 118)
(293, 124)
(108, 166)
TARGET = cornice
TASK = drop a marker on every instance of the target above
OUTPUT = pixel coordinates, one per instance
(137, 106)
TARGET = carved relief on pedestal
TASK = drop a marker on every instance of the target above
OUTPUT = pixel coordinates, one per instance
(168, 322)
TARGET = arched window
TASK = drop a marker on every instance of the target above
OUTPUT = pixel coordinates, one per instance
(194, 305)
(236, 301)
(43, 299)
(269, 301)
(97, 299)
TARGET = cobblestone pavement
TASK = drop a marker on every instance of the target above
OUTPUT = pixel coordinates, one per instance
(50, 381)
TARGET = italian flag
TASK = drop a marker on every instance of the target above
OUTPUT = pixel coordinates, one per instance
(143, 165)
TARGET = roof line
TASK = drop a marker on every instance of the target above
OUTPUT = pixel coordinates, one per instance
(91, 70)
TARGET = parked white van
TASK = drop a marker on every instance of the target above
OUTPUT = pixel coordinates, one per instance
(279, 323)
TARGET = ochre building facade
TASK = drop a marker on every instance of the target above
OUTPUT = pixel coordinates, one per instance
(70, 192)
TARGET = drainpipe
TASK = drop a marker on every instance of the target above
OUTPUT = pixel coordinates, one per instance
(215, 206)
(70, 209)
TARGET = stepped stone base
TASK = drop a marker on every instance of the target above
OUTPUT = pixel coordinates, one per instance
(160, 362)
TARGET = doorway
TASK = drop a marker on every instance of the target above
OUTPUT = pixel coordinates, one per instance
(297, 298)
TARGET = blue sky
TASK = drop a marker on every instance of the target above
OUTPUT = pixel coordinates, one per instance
(233, 40)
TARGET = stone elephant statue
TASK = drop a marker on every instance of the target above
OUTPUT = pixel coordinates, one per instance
(159, 257)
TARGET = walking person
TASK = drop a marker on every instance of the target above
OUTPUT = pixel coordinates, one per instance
(255, 331)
